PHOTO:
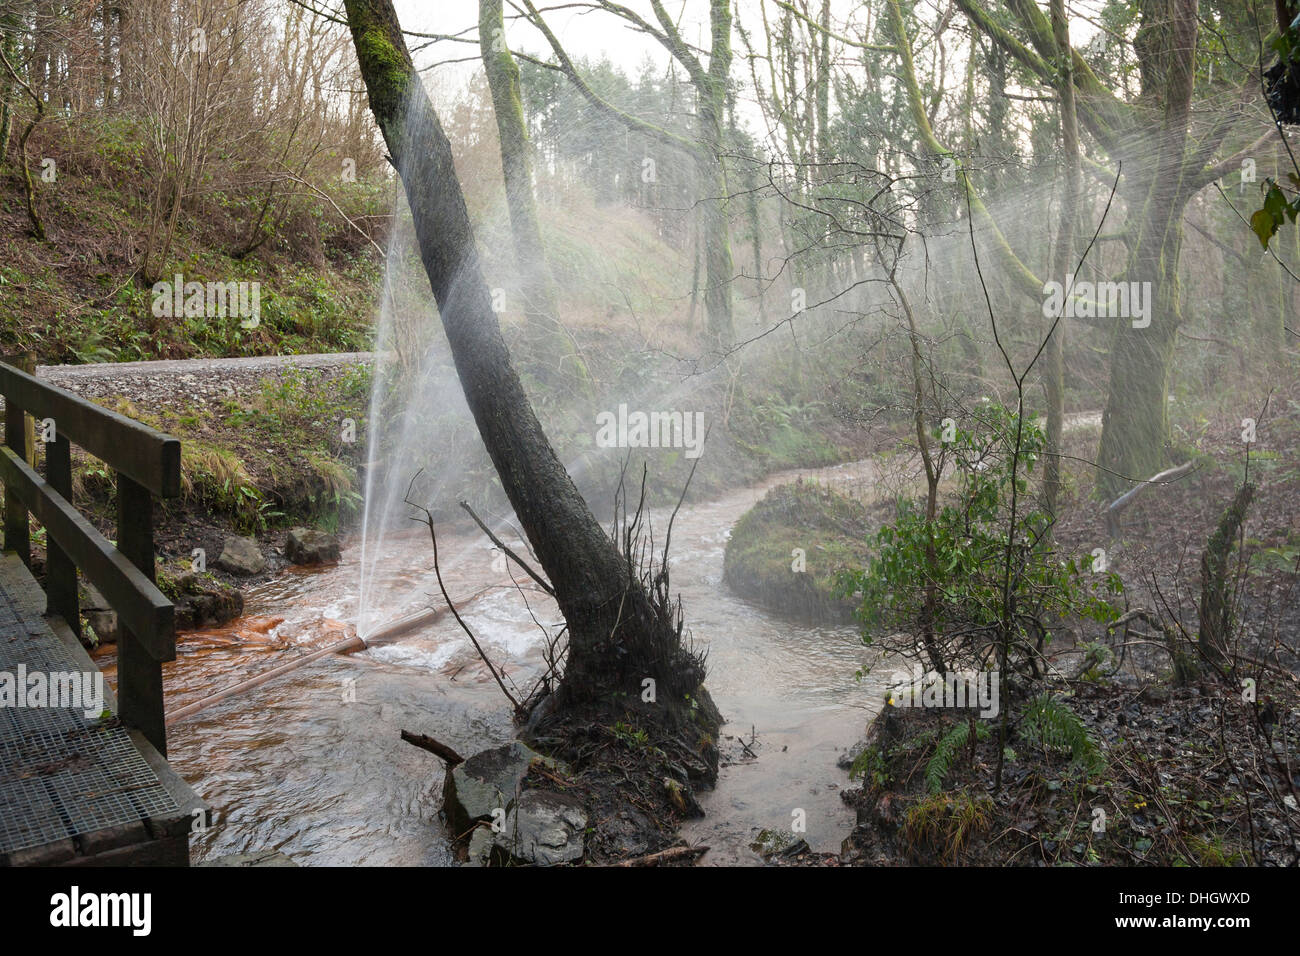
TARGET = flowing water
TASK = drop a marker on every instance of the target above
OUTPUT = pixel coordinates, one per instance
(312, 764)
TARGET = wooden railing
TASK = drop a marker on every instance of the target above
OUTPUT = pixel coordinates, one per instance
(147, 463)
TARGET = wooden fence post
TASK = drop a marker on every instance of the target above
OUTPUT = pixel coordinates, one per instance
(17, 529)
(27, 362)
(139, 675)
(60, 571)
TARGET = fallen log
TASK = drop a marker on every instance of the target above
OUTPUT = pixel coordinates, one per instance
(670, 855)
(1123, 501)
(425, 742)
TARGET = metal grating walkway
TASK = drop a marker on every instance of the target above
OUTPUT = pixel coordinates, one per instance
(62, 774)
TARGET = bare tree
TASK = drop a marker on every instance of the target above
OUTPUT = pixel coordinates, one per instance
(706, 149)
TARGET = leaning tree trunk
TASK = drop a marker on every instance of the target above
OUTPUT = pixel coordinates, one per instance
(8, 89)
(618, 636)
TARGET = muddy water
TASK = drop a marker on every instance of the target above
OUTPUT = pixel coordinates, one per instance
(312, 764)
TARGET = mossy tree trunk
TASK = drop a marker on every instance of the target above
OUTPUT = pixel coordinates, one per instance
(617, 635)
(1135, 423)
(1162, 170)
(516, 163)
(8, 89)
(1063, 263)
(711, 173)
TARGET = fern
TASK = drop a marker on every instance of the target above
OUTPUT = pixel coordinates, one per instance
(946, 751)
(1055, 727)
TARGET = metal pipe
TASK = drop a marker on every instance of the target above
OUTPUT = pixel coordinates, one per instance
(353, 644)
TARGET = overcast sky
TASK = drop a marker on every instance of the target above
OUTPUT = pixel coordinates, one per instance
(593, 35)
(587, 34)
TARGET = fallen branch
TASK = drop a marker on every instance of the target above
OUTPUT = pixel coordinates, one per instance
(425, 742)
(343, 647)
(670, 855)
(437, 570)
(1136, 614)
(1123, 501)
(508, 553)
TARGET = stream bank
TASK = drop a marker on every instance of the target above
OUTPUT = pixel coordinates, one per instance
(313, 764)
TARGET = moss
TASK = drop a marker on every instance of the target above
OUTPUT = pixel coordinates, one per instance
(787, 550)
(392, 68)
(386, 68)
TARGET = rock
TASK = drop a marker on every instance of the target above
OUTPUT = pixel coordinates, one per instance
(543, 829)
(797, 848)
(307, 546)
(1155, 694)
(778, 843)
(101, 618)
(104, 624)
(480, 847)
(539, 713)
(204, 602)
(490, 780)
(91, 599)
(241, 556)
(850, 756)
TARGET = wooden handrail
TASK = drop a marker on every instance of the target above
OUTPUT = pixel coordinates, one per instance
(149, 457)
(147, 463)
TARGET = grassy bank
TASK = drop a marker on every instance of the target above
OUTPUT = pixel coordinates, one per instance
(784, 554)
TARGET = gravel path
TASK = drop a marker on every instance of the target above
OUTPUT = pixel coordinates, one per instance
(190, 381)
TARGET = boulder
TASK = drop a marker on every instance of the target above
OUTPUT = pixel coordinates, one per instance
(489, 780)
(850, 756)
(203, 602)
(101, 618)
(91, 599)
(778, 843)
(308, 546)
(544, 828)
(103, 621)
(1155, 694)
(480, 847)
(241, 556)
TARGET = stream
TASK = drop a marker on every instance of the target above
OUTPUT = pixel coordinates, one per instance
(312, 764)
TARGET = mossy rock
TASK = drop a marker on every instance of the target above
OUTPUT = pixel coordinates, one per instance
(203, 601)
(786, 551)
